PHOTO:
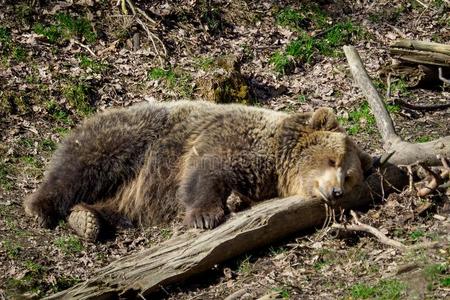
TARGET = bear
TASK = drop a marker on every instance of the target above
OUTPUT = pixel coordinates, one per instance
(150, 163)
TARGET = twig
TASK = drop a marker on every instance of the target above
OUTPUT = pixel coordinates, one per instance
(400, 33)
(421, 3)
(388, 89)
(151, 37)
(85, 47)
(131, 5)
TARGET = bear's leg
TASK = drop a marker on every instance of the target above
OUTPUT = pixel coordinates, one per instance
(204, 191)
(88, 167)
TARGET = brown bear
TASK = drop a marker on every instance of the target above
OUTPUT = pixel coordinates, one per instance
(151, 162)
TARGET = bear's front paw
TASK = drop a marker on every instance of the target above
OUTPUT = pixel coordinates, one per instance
(42, 213)
(204, 218)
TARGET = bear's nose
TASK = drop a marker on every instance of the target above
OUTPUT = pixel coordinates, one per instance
(336, 192)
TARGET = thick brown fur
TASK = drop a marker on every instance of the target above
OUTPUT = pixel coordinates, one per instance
(152, 162)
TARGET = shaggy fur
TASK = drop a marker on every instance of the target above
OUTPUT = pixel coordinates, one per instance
(151, 162)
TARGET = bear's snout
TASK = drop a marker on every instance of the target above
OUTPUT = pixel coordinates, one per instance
(336, 192)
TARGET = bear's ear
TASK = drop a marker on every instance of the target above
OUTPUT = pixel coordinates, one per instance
(294, 126)
(324, 119)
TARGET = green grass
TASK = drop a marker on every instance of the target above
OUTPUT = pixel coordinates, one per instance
(290, 18)
(5, 182)
(159, 73)
(337, 36)
(280, 61)
(66, 27)
(302, 98)
(305, 47)
(302, 48)
(383, 290)
(13, 249)
(437, 275)
(245, 266)
(424, 139)
(47, 145)
(166, 233)
(400, 88)
(283, 292)
(77, 94)
(393, 108)
(360, 119)
(274, 251)
(94, 65)
(175, 80)
(205, 62)
(58, 113)
(5, 36)
(416, 235)
(9, 48)
(69, 244)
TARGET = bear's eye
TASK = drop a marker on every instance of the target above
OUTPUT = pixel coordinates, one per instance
(331, 162)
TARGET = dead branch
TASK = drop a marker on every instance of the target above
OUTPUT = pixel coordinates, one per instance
(194, 251)
(405, 152)
(358, 226)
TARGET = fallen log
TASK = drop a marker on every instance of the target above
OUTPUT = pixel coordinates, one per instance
(420, 62)
(405, 153)
(196, 251)
(421, 46)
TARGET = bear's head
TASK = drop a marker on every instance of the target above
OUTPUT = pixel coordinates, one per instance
(317, 160)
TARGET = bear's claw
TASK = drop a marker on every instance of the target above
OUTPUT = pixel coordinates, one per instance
(204, 218)
(85, 222)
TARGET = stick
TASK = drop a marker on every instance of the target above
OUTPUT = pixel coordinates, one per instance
(358, 226)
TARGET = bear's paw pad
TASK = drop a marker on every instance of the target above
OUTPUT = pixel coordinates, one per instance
(84, 222)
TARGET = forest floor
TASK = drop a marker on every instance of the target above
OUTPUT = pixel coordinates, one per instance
(60, 62)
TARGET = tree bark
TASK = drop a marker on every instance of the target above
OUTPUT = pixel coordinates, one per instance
(194, 251)
(404, 152)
